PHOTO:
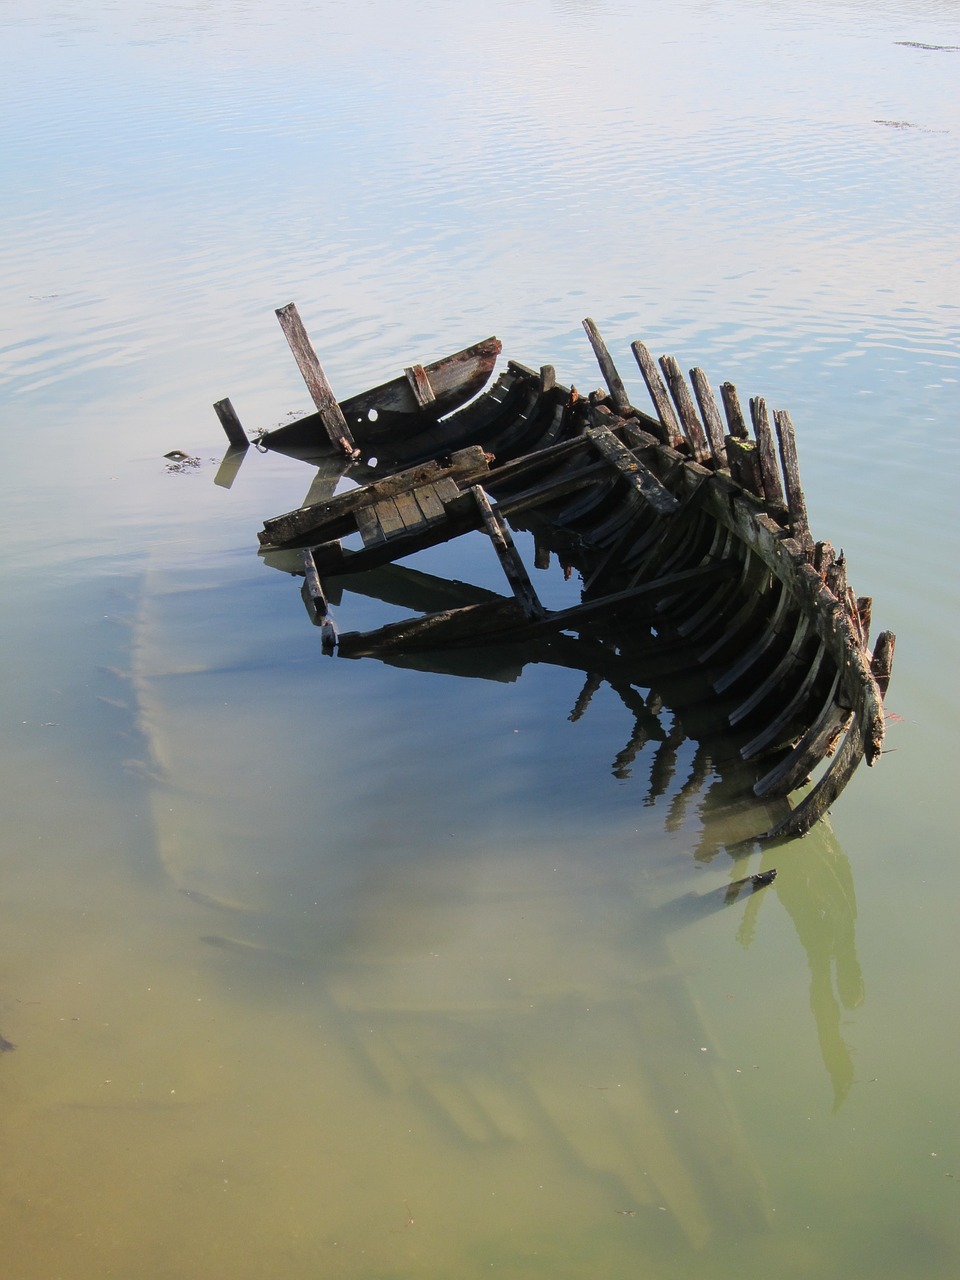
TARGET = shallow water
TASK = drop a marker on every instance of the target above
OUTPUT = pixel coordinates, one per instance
(318, 967)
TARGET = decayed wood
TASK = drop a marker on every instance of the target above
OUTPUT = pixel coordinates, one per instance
(335, 424)
(670, 427)
(548, 378)
(744, 460)
(823, 557)
(621, 401)
(710, 414)
(796, 505)
(835, 577)
(423, 393)
(736, 424)
(633, 470)
(502, 539)
(335, 517)
(769, 474)
(312, 581)
(881, 663)
(692, 428)
(541, 553)
(231, 424)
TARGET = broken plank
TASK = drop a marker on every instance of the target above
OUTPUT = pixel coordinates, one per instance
(731, 407)
(633, 470)
(499, 534)
(409, 510)
(369, 527)
(429, 502)
(331, 415)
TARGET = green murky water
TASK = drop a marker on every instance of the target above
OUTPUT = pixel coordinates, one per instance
(322, 968)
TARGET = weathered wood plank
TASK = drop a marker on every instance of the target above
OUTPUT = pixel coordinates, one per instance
(231, 424)
(312, 581)
(369, 527)
(499, 534)
(331, 415)
(409, 510)
(736, 425)
(633, 470)
(769, 473)
(430, 502)
(796, 504)
(618, 393)
(881, 663)
(744, 461)
(692, 427)
(710, 414)
(670, 427)
(423, 393)
(389, 518)
(336, 516)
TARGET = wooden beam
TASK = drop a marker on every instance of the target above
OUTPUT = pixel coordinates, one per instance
(331, 415)
(621, 401)
(634, 472)
(513, 566)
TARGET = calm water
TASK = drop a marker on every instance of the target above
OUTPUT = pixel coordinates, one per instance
(329, 968)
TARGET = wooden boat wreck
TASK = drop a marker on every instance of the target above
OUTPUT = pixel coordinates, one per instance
(688, 529)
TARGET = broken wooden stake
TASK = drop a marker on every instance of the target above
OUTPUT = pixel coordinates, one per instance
(672, 435)
(692, 427)
(331, 415)
(796, 505)
(618, 393)
(231, 424)
(513, 567)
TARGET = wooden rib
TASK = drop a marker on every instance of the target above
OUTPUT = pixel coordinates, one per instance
(731, 407)
(770, 682)
(692, 428)
(710, 414)
(423, 393)
(741, 619)
(796, 505)
(744, 461)
(499, 534)
(548, 378)
(331, 415)
(671, 433)
(791, 771)
(816, 803)
(769, 474)
(771, 734)
(759, 647)
(621, 401)
(864, 613)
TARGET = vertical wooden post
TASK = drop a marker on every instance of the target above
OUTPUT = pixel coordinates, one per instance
(731, 407)
(231, 424)
(796, 504)
(772, 488)
(710, 414)
(331, 415)
(684, 402)
(672, 435)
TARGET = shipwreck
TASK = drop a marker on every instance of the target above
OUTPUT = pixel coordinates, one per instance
(687, 527)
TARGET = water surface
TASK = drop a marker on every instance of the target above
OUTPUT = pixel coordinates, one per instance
(317, 967)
